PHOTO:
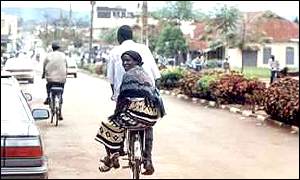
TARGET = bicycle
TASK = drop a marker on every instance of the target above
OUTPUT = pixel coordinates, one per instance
(135, 145)
(55, 103)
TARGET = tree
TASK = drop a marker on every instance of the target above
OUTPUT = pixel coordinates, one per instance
(81, 22)
(224, 21)
(20, 21)
(109, 36)
(45, 36)
(178, 11)
(171, 41)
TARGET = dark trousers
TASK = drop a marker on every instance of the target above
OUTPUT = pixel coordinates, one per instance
(273, 76)
(148, 143)
(54, 84)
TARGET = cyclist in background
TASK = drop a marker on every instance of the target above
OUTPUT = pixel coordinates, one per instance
(55, 70)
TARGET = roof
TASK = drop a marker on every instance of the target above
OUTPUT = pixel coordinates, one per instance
(196, 43)
(271, 25)
(280, 30)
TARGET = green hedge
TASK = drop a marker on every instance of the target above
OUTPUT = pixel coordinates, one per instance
(170, 77)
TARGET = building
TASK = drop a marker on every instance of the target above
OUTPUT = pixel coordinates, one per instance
(266, 34)
(106, 18)
(281, 39)
(9, 32)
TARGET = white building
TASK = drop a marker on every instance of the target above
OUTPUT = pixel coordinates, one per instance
(108, 18)
(282, 36)
(9, 31)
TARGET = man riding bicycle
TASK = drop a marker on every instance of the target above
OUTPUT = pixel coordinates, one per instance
(55, 70)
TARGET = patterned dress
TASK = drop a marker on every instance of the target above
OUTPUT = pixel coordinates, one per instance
(138, 105)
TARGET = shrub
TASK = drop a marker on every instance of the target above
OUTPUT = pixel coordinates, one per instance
(256, 93)
(205, 81)
(188, 84)
(234, 88)
(213, 63)
(170, 77)
(281, 101)
(203, 85)
(101, 69)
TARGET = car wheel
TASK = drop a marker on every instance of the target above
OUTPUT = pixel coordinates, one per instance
(75, 75)
(31, 81)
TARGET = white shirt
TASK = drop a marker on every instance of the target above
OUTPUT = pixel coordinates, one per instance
(55, 66)
(115, 70)
(274, 65)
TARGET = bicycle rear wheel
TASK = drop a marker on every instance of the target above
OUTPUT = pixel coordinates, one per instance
(52, 108)
(56, 118)
(136, 169)
(137, 157)
(56, 109)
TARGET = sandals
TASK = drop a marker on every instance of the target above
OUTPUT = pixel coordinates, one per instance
(105, 164)
(115, 160)
(149, 169)
(108, 162)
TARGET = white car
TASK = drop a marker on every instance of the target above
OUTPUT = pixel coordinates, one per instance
(22, 68)
(22, 150)
(71, 67)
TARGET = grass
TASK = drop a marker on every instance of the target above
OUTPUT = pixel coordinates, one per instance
(255, 72)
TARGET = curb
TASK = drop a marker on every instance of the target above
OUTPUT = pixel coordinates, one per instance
(245, 113)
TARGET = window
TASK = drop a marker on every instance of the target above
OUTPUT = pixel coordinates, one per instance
(102, 14)
(289, 55)
(267, 54)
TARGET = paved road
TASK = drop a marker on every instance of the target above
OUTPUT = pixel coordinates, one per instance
(190, 142)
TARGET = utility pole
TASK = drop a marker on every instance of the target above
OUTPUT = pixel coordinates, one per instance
(145, 23)
(70, 35)
(243, 39)
(91, 31)
(70, 16)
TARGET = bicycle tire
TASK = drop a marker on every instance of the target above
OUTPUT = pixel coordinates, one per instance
(56, 118)
(51, 104)
(56, 110)
(136, 168)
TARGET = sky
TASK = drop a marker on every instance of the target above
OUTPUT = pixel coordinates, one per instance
(286, 9)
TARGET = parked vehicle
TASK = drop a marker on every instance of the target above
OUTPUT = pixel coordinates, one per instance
(22, 67)
(22, 154)
(71, 67)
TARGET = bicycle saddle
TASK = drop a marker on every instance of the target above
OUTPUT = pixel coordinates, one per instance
(56, 89)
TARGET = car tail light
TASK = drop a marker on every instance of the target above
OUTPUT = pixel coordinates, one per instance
(22, 148)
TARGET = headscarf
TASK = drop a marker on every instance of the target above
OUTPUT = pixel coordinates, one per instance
(124, 33)
(134, 55)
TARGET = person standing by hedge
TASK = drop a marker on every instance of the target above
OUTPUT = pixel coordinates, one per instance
(226, 65)
(274, 67)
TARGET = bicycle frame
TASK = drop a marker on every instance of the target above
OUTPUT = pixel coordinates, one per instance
(55, 103)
